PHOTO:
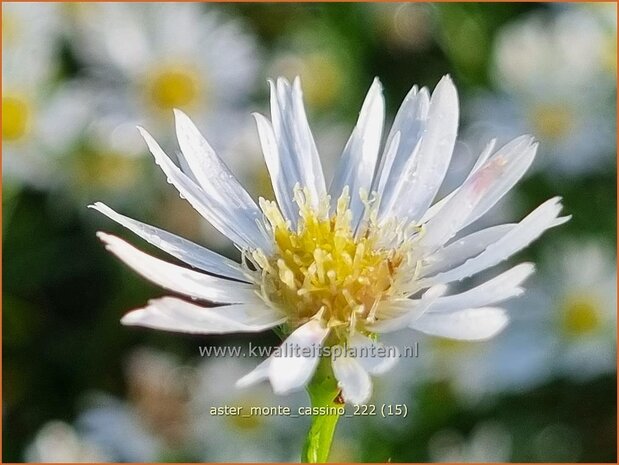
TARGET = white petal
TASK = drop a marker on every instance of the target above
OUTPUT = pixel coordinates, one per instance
(408, 126)
(437, 207)
(238, 229)
(460, 250)
(480, 192)
(498, 289)
(358, 161)
(511, 150)
(280, 169)
(471, 324)
(186, 251)
(294, 367)
(424, 173)
(397, 315)
(215, 179)
(179, 279)
(530, 228)
(297, 160)
(374, 357)
(258, 374)
(172, 314)
(352, 378)
(312, 168)
(217, 182)
(483, 157)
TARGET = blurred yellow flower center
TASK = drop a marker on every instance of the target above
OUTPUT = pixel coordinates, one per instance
(245, 421)
(322, 77)
(15, 118)
(10, 28)
(174, 87)
(552, 121)
(449, 347)
(106, 170)
(580, 315)
(609, 54)
(323, 269)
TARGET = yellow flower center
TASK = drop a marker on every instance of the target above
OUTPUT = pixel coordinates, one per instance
(15, 118)
(174, 87)
(580, 315)
(323, 269)
(552, 121)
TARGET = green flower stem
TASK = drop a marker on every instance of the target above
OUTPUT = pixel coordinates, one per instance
(324, 393)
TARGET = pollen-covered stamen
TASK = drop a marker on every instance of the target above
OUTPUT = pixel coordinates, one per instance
(325, 270)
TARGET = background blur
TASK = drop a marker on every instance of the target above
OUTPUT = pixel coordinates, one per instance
(77, 78)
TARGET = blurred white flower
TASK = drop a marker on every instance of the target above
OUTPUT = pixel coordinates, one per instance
(41, 118)
(488, 442)
(154, 419)
(57, 441)
(116, 428)
(337, 266)
(564, 326)
(556, 75)
(150, 58)
(265, 438)
(159, 390)
(581, 292)
(554, 52)
(477, 372)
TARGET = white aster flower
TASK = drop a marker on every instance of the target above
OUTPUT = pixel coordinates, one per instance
(475, 373)
(118, 430)
(582, 295)
(489, 441)
(152, 57)
(217, 436)
(370, 254)
(40, 118)
(567, 48)
(564, 326)
(152, 421)
(57, 441)
(556, 76)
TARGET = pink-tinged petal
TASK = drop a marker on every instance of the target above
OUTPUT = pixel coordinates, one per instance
(544, 217)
